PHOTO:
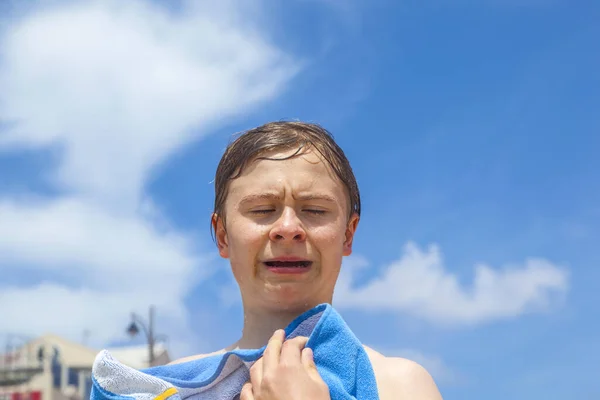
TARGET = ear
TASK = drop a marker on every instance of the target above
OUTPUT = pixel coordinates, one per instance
(350, 230)
(220, 235)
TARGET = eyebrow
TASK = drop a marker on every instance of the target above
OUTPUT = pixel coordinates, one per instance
(311, 196)
(273, 196)
(260, 196)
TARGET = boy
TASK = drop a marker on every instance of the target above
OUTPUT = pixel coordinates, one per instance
(287, 206)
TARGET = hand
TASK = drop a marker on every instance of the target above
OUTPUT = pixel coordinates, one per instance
(286, 371)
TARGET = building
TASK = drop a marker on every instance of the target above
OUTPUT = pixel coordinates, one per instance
(54, 368)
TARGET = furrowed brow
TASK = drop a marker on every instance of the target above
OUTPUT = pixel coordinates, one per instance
(314, 196)
(252, 198)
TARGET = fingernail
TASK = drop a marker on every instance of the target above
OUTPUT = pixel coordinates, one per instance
(309, 353)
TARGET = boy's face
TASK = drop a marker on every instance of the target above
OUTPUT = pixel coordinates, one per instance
(287, 231)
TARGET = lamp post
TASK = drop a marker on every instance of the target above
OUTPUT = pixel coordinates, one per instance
(148, 329)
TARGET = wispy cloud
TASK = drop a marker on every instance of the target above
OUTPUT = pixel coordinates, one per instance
(121, 86)
(116, 87)
(419, 284)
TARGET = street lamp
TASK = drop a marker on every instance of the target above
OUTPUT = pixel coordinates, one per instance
(148, 329)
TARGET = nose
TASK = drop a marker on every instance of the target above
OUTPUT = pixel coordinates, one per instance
(288, 227)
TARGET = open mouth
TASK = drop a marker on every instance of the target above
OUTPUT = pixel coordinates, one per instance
(288, 264)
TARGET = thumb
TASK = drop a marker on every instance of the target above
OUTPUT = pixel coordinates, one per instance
(309, 362)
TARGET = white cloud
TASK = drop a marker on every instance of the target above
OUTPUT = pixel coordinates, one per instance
(418, 284)
(116, 88)
(122, 85)
(105, 249)
(71, 310)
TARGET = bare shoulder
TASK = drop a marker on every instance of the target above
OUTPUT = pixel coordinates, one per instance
(400, 378)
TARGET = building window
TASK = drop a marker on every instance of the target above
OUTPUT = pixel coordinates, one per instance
(73, 377)
(56, 370)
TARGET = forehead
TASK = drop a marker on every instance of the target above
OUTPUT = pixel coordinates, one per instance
(304, 173)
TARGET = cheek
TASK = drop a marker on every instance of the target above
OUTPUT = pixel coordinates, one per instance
(245, 241)
(330, 237)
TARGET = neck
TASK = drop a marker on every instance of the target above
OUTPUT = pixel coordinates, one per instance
(261, 323)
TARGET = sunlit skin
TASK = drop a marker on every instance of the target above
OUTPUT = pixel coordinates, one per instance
(295, 210)
(279, 209)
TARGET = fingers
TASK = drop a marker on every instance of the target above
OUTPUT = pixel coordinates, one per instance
(273, 350)
(278, 351)
(246, 393)
(283, 360)
(308, 360)
(256, 372)
(292, 350)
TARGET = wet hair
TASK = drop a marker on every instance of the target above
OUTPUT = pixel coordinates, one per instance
(283, 135)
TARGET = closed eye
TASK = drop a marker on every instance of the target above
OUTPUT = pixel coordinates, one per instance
(316, 212)
(262, 212)
(266, 211)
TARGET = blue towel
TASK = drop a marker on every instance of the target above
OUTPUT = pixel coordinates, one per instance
(340, 358)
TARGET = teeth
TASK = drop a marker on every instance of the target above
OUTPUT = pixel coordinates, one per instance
(288, 264)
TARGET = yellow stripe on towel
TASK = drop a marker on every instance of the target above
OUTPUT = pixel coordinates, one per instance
(166, 394)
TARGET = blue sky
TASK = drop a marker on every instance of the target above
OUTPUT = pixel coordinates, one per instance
(472, 128)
